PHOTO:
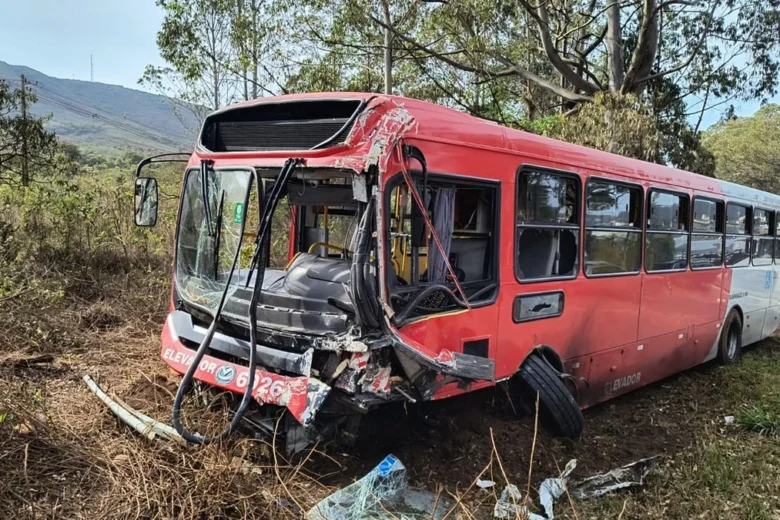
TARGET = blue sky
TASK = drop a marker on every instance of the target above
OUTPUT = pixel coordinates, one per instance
(57, 37)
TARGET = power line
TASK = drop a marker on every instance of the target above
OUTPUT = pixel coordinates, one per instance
(144, 132)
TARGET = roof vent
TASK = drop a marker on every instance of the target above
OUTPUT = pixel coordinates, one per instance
(287, 125)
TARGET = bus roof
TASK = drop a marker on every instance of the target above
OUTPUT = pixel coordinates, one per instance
(437, 123)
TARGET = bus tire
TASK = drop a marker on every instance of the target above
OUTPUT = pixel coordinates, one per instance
(559, 413)
(730, 344)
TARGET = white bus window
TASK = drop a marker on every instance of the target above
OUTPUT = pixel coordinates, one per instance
(666, 242)
(737, 245)
(613, 228)
(707, 234)
(548, 229)
(763, 244)
(736, 220)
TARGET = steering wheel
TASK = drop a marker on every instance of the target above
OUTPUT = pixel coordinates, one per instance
(315, 245)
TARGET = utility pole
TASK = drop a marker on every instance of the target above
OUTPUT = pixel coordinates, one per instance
(23, 103)
(91, 70)
(388, 48)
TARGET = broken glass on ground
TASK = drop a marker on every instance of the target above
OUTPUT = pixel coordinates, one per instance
(383, 493)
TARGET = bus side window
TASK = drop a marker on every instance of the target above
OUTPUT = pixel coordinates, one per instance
(707, 233)
(666, 241)
(613, 228)
(737, 240)
(548, 231)
(777, 237)
(763, 243)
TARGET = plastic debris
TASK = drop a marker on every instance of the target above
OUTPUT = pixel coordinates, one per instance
(509, 505)
(626, 476)
(729, 420)
(485, 484)
(554, 488)
(382, 494)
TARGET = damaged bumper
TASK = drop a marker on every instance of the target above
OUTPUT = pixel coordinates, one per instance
(302, 395)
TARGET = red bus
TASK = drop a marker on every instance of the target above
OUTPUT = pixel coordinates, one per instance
(339, 251)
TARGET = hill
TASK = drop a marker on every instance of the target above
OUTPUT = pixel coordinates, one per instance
(106, 116)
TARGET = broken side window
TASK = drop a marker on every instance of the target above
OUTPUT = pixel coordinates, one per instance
(464, 214)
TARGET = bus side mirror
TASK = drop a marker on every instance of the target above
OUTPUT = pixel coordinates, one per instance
(145, 201)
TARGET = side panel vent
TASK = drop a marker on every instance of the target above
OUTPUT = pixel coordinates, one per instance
(291, 125)
(476, 347)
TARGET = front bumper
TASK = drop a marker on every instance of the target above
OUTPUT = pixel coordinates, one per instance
(302, 396)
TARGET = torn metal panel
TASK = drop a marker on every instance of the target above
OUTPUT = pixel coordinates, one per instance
(375, 132)
(451, 363)
(619, 478)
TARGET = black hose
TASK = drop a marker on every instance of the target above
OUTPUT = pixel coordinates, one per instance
(361, 281)
(265, 224)
(401, 316)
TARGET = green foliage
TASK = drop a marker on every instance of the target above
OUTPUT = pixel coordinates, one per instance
(746, 149)
(616, 123)
(25, 146)
(760, 420)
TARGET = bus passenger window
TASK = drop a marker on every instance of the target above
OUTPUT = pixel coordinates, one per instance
(763, 243)
(464, 215)
(737, 240)
(613, 228)
(777, 237)
(707, 234)
(547, 225)
(666, 242)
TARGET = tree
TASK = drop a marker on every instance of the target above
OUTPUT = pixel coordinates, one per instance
(25, 145)
(665, 53)
(195, 40)
(746, 149)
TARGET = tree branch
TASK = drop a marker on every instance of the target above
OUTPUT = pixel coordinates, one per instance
(543, 21)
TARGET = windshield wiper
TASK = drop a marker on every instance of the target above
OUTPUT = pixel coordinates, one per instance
(218, 235)
(204, 191)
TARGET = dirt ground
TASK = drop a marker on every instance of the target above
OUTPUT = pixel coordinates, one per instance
(66, 456)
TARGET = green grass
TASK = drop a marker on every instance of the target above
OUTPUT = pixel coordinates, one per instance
(731, 471)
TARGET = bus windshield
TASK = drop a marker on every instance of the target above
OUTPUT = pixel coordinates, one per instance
(209, 238)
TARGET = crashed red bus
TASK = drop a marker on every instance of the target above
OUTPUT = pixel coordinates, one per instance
(375, 249)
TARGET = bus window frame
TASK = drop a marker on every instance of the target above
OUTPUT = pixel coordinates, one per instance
(639, 230)
(648, 231)
(748, 234)
(777, 238)
(772, 234)
(578, 211)
(396, 179)
(702, 233)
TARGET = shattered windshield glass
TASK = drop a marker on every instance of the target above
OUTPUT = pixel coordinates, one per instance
(208, 240)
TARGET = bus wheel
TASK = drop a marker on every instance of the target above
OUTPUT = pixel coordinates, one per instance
(730, 346)
(559, 413)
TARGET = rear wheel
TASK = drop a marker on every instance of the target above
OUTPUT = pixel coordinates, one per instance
(730, 346)
(559, 413)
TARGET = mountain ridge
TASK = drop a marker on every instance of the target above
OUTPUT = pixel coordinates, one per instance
(109, 116)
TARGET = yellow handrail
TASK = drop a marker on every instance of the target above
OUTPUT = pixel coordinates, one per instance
(315, 245)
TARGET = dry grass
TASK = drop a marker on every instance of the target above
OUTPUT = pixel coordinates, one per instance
(65, 456)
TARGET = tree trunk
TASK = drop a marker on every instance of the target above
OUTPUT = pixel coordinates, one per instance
(388, 49)
(614, 50)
